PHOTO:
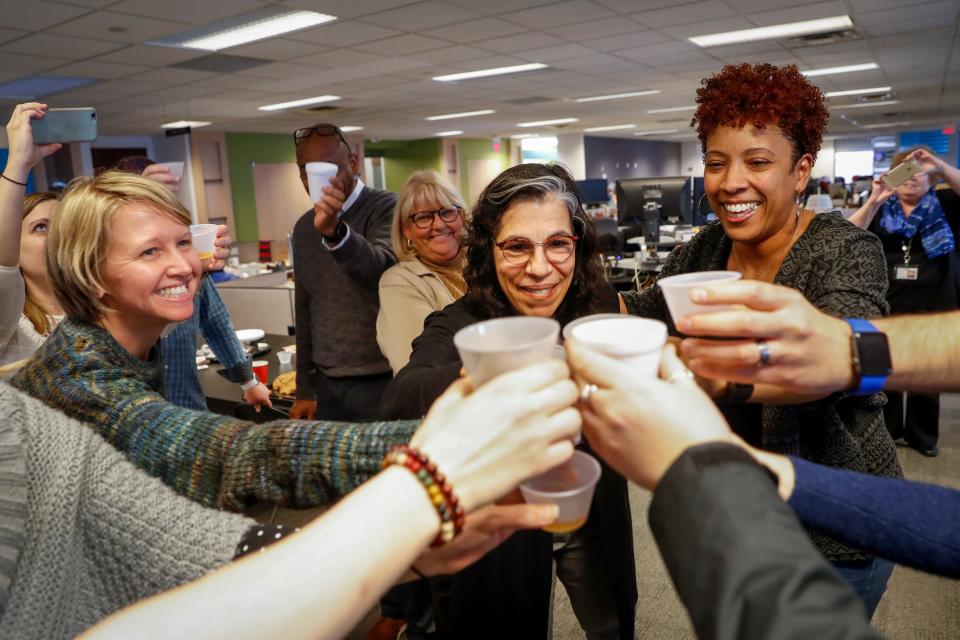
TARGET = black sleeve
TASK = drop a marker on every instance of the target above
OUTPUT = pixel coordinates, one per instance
(434, 364)
(741, 563)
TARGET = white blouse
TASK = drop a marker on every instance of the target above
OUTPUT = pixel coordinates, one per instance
(18, 338)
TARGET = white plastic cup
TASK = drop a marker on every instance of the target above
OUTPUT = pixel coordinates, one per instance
(204, 239)
(676, 291)
(568, 330)
(636, 342)
(492, 347)
(318, 177)
(176, 168)
(286, 361)
(570, 486)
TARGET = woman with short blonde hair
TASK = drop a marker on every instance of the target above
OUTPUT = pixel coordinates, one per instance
(427, 231)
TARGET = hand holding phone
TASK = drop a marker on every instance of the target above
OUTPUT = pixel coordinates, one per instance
(901, 173)
(66, 125)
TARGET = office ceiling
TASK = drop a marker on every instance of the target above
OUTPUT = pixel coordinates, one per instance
(380, 56)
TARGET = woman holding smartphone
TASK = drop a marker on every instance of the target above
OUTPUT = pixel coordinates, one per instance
(918, 226)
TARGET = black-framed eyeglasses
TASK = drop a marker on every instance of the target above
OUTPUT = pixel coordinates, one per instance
(424, 219)
(557, 249)
(320, 130)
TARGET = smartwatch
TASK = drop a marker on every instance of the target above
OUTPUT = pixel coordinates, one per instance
(871, 356)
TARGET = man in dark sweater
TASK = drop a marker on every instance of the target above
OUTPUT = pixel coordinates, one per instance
(340, 249)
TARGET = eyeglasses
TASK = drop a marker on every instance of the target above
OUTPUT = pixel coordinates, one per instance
(320, 130)
(424, 219)
(557, 249)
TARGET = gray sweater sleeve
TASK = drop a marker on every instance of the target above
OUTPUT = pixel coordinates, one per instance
(368, 252)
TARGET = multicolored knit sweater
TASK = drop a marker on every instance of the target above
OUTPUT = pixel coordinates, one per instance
(212, 459)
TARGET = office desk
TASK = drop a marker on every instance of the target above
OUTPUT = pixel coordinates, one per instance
(224, 396)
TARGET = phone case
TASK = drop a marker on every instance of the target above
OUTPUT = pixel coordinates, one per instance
(901, 173)
(66, 125)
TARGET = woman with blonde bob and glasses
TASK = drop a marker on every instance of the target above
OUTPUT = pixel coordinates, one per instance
(122, 266)
(427, 232)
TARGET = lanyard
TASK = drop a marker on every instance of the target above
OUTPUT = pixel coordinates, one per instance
(907, 244)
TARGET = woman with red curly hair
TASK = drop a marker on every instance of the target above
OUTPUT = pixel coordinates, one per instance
(761, 127)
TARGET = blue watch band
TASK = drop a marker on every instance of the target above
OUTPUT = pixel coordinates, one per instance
(869, 384)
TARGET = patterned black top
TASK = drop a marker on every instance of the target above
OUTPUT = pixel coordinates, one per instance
(840, 269)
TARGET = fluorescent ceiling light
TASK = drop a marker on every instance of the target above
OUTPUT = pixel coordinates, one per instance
(885, 125)
(613, 127)
(465, 114)
(863, 105)
(250, 27)
(655, 132)
(348, 129)
(671, 109)
(179, 124)
(547, 123)
(298, 103)
(774, 32)
(856, 92)
(826, 71)
(547, 143)
(521, 136)
(496, 71)
(618, 96)
(444, 134)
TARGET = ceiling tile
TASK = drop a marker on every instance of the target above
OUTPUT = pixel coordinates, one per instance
(189, 11)
(519, 42)
(696, 12)
(278, 49)
(105, 25)
(44, 43)
(692, 29)
(596, 28)
(174, 76)
(339, 58)
(594, 60)
(99, 70)
(29, 64)
(627, 40)
(556, 52)
(630, 6)
(421, 16)
(558, 14)
(6, 35)
(799, 12)
(279, 70)
(38, 15)
(151, 56)
(400, 45)
(475, 30)
(344, 34)
(451, 55)
(348, 8)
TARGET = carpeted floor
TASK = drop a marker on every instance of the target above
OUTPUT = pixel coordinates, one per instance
(916, 606)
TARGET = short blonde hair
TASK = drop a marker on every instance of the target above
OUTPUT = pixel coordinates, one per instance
(80, 235)
(423, 186)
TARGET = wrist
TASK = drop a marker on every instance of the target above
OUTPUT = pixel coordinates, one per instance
(781, 467)
(17, 171)
(249, 384)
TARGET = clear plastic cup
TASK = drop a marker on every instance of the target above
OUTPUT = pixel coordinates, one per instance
(676, 291)
(570, 486)
(204, 239)
(176, 168)
(492, 347)
(286, 361)
(636, 342)
(318, 177)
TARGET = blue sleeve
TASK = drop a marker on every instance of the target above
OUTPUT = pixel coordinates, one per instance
(910, 523)
(217, 330)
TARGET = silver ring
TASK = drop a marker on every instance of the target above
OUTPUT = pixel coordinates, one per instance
(764, 350)
(587, 391)
(682, 374)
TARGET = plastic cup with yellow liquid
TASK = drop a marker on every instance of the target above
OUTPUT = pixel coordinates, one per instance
(570, 486)
(204, 239)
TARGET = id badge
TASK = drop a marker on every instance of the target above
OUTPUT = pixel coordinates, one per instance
(906, 273)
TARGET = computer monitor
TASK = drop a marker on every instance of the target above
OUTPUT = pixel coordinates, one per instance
(668, 200)
(593, 191)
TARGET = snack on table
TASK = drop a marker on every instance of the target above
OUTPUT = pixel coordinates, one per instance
(285, 384)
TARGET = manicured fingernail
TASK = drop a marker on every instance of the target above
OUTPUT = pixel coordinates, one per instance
(550, 511)
(684, 324)
(698, 295)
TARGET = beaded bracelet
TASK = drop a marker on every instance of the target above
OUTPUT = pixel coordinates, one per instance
(438, 489)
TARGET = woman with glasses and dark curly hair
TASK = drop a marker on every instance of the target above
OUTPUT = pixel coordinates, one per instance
(760, 127)
(426, 235)
(529, 251)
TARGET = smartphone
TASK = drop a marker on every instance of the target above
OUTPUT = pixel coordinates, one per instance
(901, 173)
(66, 125)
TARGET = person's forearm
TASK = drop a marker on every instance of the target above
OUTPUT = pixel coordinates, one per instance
(910, 523)
(924, 351)
(951, 175)
(11, 211)
(865, 214)
(315, 584)
(772, 395)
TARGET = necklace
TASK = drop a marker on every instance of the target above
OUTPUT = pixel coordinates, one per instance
(756, 276)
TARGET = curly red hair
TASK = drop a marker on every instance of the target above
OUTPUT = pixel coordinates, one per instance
(761, 95)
